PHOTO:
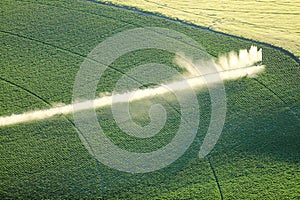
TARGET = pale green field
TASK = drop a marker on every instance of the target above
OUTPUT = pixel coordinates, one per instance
(275, 22)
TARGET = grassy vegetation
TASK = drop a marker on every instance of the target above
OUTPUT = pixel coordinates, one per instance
(274, 22)
(43, 44)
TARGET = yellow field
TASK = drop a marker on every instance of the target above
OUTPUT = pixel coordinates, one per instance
(275, 22)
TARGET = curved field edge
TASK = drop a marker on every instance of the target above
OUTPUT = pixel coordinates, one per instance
(39, 162)
(269, 21)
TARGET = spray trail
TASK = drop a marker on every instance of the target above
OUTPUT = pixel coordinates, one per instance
(231, 67)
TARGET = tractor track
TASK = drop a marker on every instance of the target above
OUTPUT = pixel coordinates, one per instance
(201, 13)
(66, 118)
(26, 90)
(215, 176)
(277, 96)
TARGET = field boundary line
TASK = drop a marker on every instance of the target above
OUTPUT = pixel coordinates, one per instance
(189, 24)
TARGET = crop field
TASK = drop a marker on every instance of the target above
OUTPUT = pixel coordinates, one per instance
(43, 44)
(274, 22)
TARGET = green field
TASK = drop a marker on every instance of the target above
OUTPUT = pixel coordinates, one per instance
(43, 44)
(274, 22)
